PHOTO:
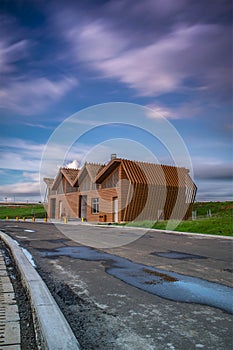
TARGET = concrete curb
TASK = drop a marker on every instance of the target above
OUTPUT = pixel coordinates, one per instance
(51, 326)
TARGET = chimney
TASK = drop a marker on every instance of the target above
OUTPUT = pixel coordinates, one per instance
(113, 156)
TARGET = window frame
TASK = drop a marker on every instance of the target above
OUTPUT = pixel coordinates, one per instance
(95, 205)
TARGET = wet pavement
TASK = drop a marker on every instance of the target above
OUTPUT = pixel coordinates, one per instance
(169, 285)
(178, 255)
(112, 299)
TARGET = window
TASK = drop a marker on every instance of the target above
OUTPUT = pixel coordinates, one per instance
(95, 205)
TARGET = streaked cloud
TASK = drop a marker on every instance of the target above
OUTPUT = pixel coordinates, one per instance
(33, 95)
(188, 58)
(173, 56)
(20, 189)
(211, 190)
(20, 154)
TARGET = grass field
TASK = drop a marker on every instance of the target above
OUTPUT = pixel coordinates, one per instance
(220, 222)
(22, 210)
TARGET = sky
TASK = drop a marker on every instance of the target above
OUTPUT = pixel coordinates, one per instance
(58, 58)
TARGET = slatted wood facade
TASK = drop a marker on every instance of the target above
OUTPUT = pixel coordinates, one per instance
(143, 191)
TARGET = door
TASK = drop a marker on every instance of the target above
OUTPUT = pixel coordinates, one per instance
(83, 207)
(115, 209)
(60, 209)
(52, 208)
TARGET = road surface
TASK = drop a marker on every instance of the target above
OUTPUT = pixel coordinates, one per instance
(107, 294)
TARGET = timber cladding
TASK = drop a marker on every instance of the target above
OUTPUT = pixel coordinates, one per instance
(122, 190)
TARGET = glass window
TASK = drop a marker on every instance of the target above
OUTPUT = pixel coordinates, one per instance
(95, 205)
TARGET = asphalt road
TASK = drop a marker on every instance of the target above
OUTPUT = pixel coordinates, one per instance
(94, 287)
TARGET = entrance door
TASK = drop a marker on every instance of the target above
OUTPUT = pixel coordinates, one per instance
(52, 208)
(115, 209)
(60, 209)
(83, 207)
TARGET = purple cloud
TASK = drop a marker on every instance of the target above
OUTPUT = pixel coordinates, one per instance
(32, 95)
(188, 57)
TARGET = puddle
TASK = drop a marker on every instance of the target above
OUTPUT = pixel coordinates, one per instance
(168, 285)
(29, 256)
(177, 255)
(30, 231)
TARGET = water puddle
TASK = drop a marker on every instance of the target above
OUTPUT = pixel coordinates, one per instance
(168, 285)
(177, 255)
(29, 257)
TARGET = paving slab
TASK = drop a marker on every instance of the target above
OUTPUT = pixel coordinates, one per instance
(3, 273)
(10, 334)
(5, 284)
(9, 313)
(10, 347)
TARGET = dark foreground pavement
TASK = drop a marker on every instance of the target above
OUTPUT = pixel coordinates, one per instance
(107, 313)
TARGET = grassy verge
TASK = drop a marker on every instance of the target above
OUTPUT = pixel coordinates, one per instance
(22, 210)
(220, 222)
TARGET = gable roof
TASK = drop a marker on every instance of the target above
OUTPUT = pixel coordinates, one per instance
(146, 173)
(92, 169)
(68, 173)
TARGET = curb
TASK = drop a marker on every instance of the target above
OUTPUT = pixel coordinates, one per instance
(51, 327)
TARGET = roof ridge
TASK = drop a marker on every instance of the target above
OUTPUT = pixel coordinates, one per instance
(150, 163)
(93, 163)
(66, 168)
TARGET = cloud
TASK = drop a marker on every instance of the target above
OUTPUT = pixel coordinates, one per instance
(183, 110)
(36, 125)
(32, 95)
(32, 176)
(10, 53)
(213, 171)
(72, 165)
(157, 111)
(27, 67)
(193, 57)
(14, 46)
(20, 154)
(21, 189)
(94, 42)
(214, 190)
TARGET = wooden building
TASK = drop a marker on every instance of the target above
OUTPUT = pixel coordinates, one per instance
(121, 191)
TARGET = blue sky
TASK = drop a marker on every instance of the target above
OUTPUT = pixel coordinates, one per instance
(59, 57)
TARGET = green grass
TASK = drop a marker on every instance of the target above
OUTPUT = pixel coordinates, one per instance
(220, 222)
(22, 210)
